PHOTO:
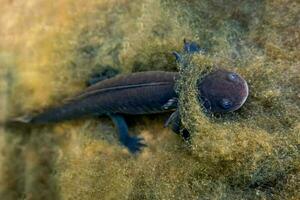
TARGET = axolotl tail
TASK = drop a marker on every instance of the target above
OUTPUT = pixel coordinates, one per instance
(65, 112)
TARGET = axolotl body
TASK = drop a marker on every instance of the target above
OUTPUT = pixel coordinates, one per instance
(147, 93)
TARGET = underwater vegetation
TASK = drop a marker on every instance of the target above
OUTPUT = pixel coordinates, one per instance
(49, 49)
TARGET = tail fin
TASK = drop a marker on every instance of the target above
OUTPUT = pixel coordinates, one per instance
(25, 119)
(22, 120)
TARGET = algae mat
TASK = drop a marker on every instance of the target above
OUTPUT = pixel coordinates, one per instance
(49, 49)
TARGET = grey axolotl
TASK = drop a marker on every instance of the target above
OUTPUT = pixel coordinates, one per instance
(147, 93)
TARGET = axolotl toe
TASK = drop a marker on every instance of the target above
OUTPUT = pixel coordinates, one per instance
(146, 93)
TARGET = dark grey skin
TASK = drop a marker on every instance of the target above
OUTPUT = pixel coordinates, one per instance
(146, 93)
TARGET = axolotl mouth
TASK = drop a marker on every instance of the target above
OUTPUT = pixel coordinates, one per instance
(222, 91)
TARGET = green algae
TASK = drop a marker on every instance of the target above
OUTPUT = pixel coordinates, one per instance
(249, 154)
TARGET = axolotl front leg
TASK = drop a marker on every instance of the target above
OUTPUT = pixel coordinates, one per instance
(189, 49)
(174, 121)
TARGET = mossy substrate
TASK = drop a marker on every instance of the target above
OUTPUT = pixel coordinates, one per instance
(49, 49)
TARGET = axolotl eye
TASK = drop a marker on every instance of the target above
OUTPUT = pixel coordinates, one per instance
(232, 76)
(226, 103)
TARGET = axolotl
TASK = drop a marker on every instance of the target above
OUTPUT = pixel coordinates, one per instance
(148, 92)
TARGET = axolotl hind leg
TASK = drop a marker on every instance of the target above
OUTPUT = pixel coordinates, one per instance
(133, 143)
(106, 73)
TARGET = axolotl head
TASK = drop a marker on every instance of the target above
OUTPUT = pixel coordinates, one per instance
(222, 91)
